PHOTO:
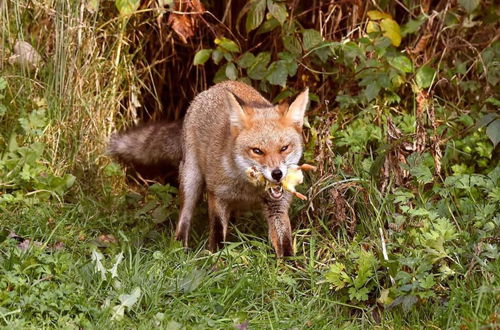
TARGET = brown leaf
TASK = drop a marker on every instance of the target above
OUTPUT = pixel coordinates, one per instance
(185, 23)
(107, 239)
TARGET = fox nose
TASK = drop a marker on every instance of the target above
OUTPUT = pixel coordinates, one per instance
(277, 174)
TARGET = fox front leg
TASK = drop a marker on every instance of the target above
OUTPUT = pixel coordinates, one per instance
(280, 231)
(218, 213)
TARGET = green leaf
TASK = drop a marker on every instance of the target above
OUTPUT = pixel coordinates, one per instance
(292, 44)
(127, 7)
(358, 294)
(425, 76)
(422, 173)
(3, 109)
(401, 63)
(231, 71)
(278, 73)
(366, 263)
(390, 29)
(202, 56)
(311, 38)
(412, 25)
(217, 56)
(3, 83)
(220, 75)
(227, 44)
(277, 10)
(469, 5)
(493, 132)
(256, 15)
(246, 60)
(377, 15)
(258, 70)
(486, 120)
(337, 276)
(371, 91)
(269, 25)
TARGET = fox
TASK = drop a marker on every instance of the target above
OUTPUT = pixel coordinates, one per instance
(226, 130)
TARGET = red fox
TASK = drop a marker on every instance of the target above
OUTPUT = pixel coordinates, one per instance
(227, 129)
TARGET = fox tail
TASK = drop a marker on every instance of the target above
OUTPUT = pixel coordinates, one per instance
(153, 144)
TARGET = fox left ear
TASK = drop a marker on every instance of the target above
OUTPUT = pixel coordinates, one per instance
(297, 109)
(238, 118)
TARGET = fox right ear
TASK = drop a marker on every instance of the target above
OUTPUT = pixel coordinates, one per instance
(238, 118)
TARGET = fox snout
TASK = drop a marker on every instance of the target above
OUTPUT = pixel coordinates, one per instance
(275, 173)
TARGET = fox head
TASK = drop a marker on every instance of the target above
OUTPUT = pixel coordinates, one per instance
(267, 138)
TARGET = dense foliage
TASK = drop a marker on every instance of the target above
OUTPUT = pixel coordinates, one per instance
(401, 226)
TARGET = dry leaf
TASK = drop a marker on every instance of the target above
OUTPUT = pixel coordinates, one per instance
(184, 25)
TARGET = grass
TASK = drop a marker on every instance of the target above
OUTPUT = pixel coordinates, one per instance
(50, 287)
(67, 213)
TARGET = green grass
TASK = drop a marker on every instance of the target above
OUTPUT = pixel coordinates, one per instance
(48, 287)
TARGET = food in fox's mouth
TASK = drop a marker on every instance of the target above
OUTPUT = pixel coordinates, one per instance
(255, 177)
(293, 178)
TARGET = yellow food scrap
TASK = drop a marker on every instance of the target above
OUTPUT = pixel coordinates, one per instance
(293, 178)
(255, 177)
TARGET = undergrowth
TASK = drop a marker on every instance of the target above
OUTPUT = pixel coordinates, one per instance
(401, 225)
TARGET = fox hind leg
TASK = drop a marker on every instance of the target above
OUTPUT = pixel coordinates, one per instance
(191, 183)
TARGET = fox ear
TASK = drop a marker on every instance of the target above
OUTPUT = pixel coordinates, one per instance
(297, 109)
(238, 118)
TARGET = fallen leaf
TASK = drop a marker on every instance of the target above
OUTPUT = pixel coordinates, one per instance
(107, 239)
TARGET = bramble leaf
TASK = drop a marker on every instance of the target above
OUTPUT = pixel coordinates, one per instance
(202, 56)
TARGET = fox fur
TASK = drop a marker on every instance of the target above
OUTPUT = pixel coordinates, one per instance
(227, 129)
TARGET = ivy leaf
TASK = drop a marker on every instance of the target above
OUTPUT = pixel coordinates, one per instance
(277, 10)
(292, 44)
(390, 29)
(231, 71)
(469, 5)
(493, 132)
(311, 38)
(278, 73)
(425, 76)
(202, 56)
(227, 44)
(246, 60)
(401, 63)
(127, 7)
(255, 15)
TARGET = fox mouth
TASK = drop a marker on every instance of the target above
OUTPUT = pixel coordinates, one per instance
(275, 192)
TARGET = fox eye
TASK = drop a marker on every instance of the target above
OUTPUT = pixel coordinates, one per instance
(284, 148)
(257, 151)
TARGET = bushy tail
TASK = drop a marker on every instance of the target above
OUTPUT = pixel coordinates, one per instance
(152, 144)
